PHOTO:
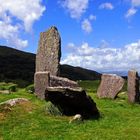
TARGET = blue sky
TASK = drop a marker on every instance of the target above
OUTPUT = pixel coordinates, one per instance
(102, 35)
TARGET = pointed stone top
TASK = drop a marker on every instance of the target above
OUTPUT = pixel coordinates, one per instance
(49, 51)
(51, 29)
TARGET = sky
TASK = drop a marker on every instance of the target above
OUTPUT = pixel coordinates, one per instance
(102, 35)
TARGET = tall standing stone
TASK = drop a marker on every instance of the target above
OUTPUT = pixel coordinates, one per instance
(49, 52)
(133, 87)
(110, 86)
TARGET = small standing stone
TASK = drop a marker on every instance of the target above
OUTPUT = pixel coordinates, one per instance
(133, 87)
(41, 82)
(49, 52)
(111, 85)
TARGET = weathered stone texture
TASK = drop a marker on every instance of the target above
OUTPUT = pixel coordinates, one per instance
(13, 102)
(133, 87)
(110, 86)
(41, 82)
(63, 82)
(49, 52)
(72, 101)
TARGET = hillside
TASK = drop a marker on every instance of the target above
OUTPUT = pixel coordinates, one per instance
(78, 73)
(19, 65)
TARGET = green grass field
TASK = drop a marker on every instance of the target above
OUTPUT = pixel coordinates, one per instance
(29, 121)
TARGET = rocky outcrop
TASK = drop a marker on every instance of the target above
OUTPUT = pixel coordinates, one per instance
(72, 101)
(110, 86)
(133, 87)
(49, 52)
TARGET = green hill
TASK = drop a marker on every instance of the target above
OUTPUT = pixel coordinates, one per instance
(19, 65)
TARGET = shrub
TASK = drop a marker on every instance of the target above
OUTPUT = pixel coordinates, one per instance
(8, 86)
(12, 88)
(30, 89)
(53, 110)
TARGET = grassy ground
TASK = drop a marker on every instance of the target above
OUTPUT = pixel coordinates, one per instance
(29, 121)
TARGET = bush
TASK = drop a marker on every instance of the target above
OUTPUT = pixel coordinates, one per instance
(12, 88)
(30, 89)
(8, 86)
(53, 110)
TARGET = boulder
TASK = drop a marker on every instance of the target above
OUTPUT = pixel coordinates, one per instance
(133, 87)
(76, 118)
(49, 52)
(110, 86)
(13, 102)
(63, 82)
(41, 82)
(72, 101)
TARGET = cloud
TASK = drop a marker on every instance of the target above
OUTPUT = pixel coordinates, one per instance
(86, 23)
(92, 17)
(18, 16)
(107, 6)
(75, 7)
(135, 3)
(10, 34)
(105, 58)
(131, 12)
(86, 26)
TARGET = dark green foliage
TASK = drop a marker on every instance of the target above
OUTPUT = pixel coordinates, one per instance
(30, 89)
(8, 86)
(53, 110)
(13, 88)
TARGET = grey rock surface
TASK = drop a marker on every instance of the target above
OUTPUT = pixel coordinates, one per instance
(110, 86)
(49, 52)
(64, 82)
(41, 82)
(133, 87)
(13, 102)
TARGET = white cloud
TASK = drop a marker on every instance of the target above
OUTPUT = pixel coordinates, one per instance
(136, 3)
(18, 16)
(75, 7)
(106, 5)
(86, 26)
(105, 58)
(92, 17)
(10, 33)
(131, 12)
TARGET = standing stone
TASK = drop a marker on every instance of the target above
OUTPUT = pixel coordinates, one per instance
(41, 82)
(49, 52)
(133, 87)
(110, 86)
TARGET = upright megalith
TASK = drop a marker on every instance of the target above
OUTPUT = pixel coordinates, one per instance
(133, 87)
(110, 86)
(49, 52)
(47, 60)
(42, 80)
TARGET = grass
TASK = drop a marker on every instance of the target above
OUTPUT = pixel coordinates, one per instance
(119, 120)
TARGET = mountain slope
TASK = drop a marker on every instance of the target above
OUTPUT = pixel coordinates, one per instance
(78, 73)
(15, 64)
